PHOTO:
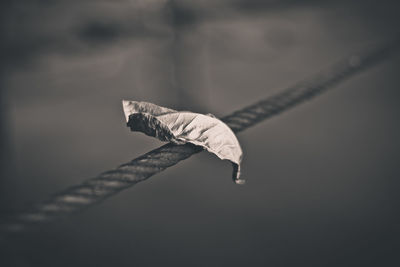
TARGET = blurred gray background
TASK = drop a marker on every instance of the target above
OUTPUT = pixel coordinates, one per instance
(323, 178)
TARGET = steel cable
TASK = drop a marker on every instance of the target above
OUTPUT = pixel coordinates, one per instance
(95, 190)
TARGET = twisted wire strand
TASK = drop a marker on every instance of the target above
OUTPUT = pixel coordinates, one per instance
(95, 190)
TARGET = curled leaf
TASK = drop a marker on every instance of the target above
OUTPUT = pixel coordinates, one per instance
(181, 127)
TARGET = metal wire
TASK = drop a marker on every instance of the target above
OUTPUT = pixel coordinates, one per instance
(109, 183)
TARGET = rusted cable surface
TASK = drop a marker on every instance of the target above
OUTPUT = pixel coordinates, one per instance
(111, 182)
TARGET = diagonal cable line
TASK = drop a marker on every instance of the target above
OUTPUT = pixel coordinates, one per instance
(109, 183)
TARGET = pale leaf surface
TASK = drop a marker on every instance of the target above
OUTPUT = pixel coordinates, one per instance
(183, 127)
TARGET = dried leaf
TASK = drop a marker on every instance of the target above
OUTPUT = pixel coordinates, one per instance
(182, 127)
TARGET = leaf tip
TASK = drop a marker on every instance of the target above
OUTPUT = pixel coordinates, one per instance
(240, 181)
(125, 106)
(236, 175)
